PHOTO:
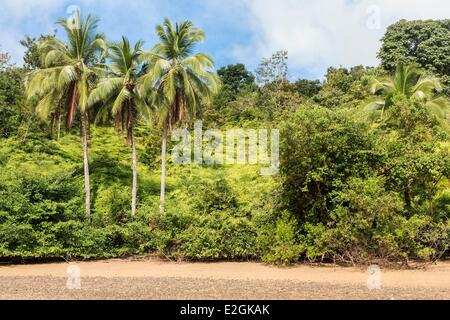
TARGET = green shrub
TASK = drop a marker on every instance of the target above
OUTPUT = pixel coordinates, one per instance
(441, 205)
(113, 204)
(281, 245)
(320, 150)
(218, 235)
(367, 224)
(165, 227)
(212, 195)
(419, 237)
(17, 240)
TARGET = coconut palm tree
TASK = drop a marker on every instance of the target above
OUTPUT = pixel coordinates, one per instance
(67, 76)
(411, 82)
(181, 80)
(119, 90)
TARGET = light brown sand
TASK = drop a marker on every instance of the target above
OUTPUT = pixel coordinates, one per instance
(112, 279)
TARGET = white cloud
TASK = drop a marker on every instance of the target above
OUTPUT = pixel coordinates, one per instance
(19, 13)
(317, 34)
(323, 33)
(20, 9)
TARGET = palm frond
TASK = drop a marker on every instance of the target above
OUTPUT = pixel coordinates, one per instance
(68, 72)
(119, 101)
(47, 105)
(410, 82)
(439, 106)
(106, 88)
(67, 75)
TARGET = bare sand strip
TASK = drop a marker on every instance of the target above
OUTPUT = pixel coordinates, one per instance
(434, 276)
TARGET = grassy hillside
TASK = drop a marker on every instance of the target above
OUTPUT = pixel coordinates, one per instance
(212, 212)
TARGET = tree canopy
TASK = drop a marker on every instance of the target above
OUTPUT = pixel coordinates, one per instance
(425, 42)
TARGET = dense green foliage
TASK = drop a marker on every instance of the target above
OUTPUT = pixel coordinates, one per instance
(426, 43)
(236, 78)
(10, 95)
(352, 187)
(362, 193)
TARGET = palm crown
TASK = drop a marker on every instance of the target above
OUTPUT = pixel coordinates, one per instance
(68, 68)
(182, 80)
(120, 90)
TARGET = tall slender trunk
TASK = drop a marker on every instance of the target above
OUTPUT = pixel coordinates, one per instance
(124, 136)
(87, 183)
(133, 148)
(163, 167)
(134, 189)
(58, 121)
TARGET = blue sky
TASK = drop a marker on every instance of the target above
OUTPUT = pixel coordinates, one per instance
(317, 34)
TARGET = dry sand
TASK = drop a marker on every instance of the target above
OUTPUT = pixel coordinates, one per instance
(155, 279)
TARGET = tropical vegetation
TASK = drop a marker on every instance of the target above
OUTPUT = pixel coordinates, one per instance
(364, 170)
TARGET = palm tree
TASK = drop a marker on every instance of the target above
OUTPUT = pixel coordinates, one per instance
(412, 83)
(120, 91)
(66, 78)
(181, 80)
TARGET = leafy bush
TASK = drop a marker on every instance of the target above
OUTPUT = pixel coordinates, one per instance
(212, 195)
(320, 150)
(112, 205)
(281, 244)
(367, 224)
(419, 237)
(441, 204)
(218, 235)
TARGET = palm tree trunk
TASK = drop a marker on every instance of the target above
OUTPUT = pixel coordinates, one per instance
(163, 167)
(133, 148)
(58, 122)
(124, 136)
(87, 183)
(134, 189)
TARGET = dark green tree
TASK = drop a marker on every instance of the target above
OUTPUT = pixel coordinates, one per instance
(307, 88)
(343, 87)
(11, 89)
(424, 42)
(31, 57)
(235, 77)
(320, 150)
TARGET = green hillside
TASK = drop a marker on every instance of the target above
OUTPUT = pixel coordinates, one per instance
(212, 212)
(364, 154)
